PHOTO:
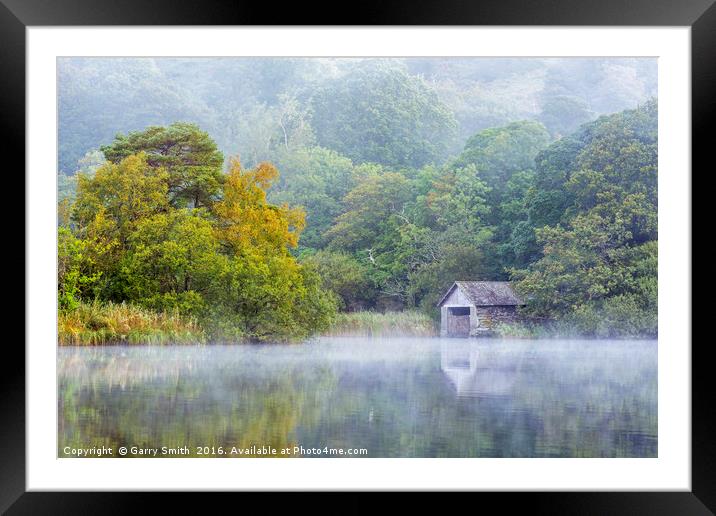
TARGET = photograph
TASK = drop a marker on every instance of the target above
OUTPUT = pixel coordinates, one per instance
(425, 251)
(357, 257)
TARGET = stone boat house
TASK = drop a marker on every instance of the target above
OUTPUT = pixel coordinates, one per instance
(472, 308)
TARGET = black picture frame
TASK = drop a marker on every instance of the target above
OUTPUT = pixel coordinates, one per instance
(16, 15)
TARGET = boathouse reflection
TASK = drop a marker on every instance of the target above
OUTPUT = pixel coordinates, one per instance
(473, 371)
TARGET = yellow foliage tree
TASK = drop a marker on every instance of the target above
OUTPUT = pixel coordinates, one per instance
(246, 220)
(111, 204)
(120, 195)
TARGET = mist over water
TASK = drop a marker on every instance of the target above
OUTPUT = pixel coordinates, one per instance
(395, 397)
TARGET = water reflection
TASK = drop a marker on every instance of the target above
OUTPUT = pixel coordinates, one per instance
(394, 397)
(467, 369)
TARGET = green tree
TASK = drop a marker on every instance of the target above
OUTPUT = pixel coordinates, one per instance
(500, 152)
(457, 198)
(379, 113)
(173, 261)
(504, 160)
(598, 265)
(315, 179)
(187, 153)
(370, 226)
(563, 114)
(372, 213)
(271, 297)
(345, 276)
(76, 271)
(445, 237)
(108, 208)
(119, 196)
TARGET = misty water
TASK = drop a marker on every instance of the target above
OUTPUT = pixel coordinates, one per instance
(394, 397)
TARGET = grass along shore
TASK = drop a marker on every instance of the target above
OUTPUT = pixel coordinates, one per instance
(96, 323)
(100, 323)
(409, 323)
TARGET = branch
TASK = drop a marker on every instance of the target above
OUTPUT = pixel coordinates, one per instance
(370, 256)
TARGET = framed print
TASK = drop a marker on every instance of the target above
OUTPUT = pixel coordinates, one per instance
(435, 250)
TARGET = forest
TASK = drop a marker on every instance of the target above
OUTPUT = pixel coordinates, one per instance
(265, 199)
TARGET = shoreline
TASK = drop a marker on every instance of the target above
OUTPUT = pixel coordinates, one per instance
(111, 324)
(457, 340)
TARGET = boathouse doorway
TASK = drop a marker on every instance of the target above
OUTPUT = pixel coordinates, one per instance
(458, 321)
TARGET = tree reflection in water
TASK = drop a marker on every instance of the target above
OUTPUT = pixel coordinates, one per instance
(397, 397)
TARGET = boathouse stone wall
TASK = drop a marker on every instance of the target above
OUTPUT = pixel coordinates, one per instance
(490, 316)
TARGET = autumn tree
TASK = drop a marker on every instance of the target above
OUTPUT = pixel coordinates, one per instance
(266, 288)
(247, 220)
(229, 266)
(108, 207)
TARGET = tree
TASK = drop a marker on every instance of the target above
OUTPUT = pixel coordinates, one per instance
(598, 264)
(246, 219)
(379, 113)
(458, 198)
(585, 272)
(173, 261)
(445, 236)
(346, 277)
(369, 227)
(504, 159)
(372, 213)
(187, 153)
(563, 114)
(500, 152)
(108, 208)
(119, 195)
(230, 266)
(609, 156)
(265, 290)
(76, 271)
(315, 179)
(515, 244)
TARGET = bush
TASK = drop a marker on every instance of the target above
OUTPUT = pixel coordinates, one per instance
(619, 316)
(623, 316)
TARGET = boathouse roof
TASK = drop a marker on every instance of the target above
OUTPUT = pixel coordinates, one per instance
(485, 293)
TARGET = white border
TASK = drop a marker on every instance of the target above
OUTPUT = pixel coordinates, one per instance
(671, 470)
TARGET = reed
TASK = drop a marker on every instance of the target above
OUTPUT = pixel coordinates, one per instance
(389, 324)
(97, 323)
(538, 330)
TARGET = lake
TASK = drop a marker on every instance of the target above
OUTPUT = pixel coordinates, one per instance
(380, 397)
